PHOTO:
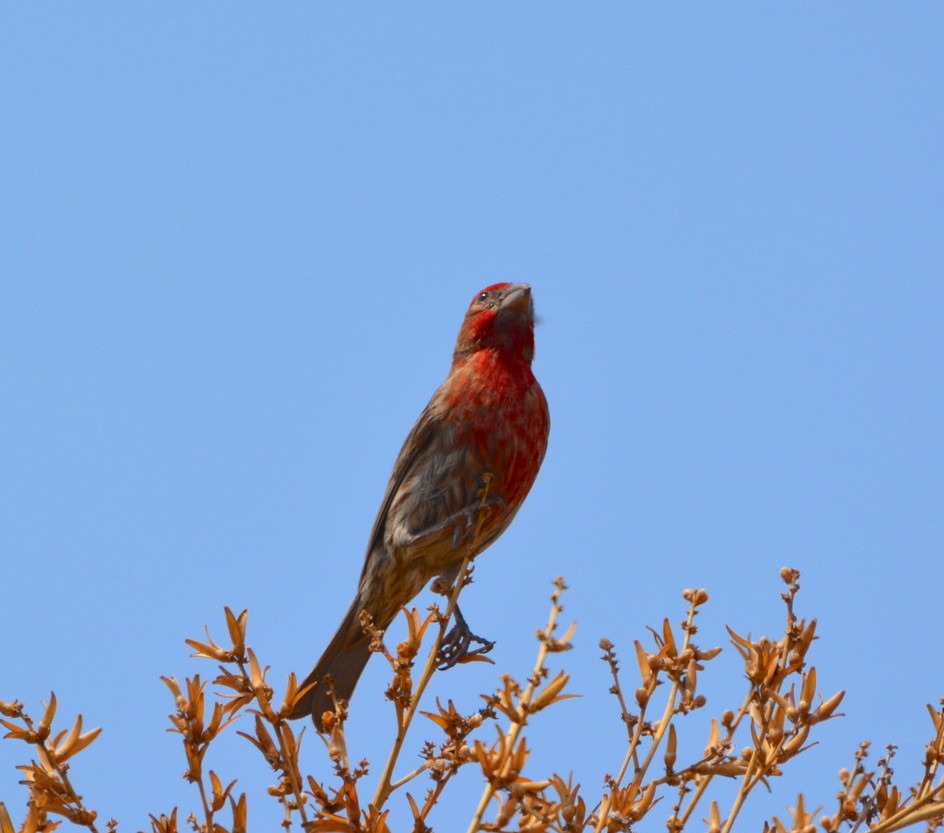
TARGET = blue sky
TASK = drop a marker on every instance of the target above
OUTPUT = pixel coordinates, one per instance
(237, 246)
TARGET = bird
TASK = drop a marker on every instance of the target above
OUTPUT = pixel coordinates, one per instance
(460, 478)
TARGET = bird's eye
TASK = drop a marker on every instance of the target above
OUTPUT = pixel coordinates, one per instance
(483, 297)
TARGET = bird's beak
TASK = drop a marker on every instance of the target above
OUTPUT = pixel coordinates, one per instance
(518, 301)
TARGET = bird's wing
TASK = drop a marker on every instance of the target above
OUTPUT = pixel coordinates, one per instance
(423, 433)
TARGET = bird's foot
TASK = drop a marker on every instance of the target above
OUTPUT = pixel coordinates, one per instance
(456, 645)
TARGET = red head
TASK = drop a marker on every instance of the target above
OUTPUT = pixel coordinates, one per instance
(500, 317)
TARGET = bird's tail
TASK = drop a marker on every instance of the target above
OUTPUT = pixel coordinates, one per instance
(343, 660)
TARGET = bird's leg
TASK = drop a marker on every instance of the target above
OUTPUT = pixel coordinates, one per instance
(455, 646)
(471, 516)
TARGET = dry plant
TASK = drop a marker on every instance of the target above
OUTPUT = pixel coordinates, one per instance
(750, 743)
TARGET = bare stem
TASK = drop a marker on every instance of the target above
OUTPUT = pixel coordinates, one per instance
(631, 752)
(385, 785)
(747, 784)
(515, 729)
(207, 811)
(703, 784)
(289, 757)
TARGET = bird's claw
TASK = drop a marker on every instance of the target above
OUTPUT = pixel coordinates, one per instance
(455, 646)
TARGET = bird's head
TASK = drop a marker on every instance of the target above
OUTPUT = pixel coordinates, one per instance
(500, 317)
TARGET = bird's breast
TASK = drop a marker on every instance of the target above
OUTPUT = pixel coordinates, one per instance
(500, 415)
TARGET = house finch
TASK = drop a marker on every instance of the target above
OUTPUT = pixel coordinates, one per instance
(460, 478)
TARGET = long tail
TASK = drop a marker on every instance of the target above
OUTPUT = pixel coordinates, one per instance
(344, 660)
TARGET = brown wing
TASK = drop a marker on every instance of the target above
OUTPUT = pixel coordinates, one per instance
(415, 446)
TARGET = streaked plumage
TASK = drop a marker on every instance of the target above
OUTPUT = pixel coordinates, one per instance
(489, 416)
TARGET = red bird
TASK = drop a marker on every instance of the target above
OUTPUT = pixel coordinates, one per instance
(488, 422)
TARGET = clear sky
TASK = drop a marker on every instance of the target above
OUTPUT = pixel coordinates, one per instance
(237, 243)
